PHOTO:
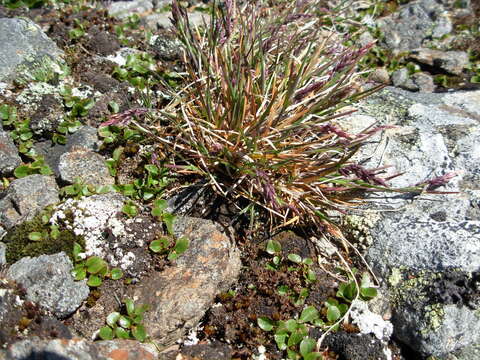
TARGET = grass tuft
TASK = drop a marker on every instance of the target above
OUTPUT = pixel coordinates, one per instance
(257, 118)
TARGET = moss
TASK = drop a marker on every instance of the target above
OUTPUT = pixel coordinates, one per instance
(19, 245)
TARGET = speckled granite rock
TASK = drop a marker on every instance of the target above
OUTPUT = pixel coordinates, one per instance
(49, 283)
(421, 248)
(25, 198)
(180, 295)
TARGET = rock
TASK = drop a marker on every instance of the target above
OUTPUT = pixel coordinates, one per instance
(36, 348)
(214, 351)
(453, 62)
(369, 322)
(3, 249)
(49, 283)
(25, 51)
(123, 9)
(48, 115)
(167, 47)
(9, 158)
(355, 346)
(413, 23)
(121, 242)
(84, 166)
(85, 138)
(416, 246)
(25, 198)
(424, 82)
(180, 295)
(401, 79)
(381, 76)
(119, 349)
(162, 20)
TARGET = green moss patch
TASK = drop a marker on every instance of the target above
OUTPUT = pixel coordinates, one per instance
(20, 245)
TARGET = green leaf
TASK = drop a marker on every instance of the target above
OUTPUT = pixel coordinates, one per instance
(276, 260)
(116, 274)
(295, 258)
(333, 313)
(22, 171)
(160, 204)
(291, 325)
(35, 236)
(139, 310)
(139, 333)
(306, 346)
(292, 355)
(312, 356)
(265, 323)
(79, 274)
(309, 314)
(121, 333)
(124, 322)
(281, 340)
(307, 261)
(273, 247)
(295, 338)
(77, 250)
(112, 318)
(172, 256)
(130, 306)
(181, 245)
(311, 276)
(129, 209)
(169, 219)
(283, 290)
(94, 281)
(159, 245)
(95, 264)
(4, 111)
(368, 293)
(54, 232)
(106, 333)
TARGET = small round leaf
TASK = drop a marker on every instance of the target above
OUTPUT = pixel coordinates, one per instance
(106, 333)
(265, 323)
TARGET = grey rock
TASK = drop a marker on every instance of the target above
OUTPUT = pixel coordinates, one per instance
(49, 283)
(162, 20)
(123, 9)
(401, 79)
(167, 47)
(36, 348)
(3, 249)
(424, 82)
(48, 115)
(355, 346)
(436, 330)
(25, 50)
(438, 245)
(85, 138)
(86, 166)
(413, 23)
(381, 75)
(452, 62)
(180, 295)
(436, 134)
(25, 198)
(9, 158)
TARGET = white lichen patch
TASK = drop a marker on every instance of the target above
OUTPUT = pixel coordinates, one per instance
(90, 217)
(369, 322)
